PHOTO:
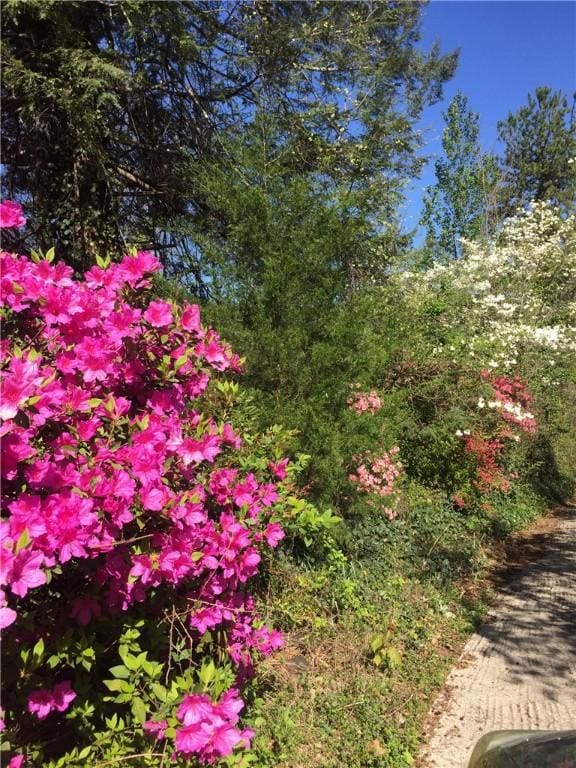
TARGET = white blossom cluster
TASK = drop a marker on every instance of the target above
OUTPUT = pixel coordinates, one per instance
(521, 289)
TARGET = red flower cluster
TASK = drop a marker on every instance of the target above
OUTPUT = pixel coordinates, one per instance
(514, 401)
(486, 452)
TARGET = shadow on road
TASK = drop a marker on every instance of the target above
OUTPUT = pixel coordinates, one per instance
(537, 638)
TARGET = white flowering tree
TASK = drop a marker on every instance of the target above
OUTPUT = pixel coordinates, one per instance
(517, 295)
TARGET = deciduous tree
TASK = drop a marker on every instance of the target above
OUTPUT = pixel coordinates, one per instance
(462, 202)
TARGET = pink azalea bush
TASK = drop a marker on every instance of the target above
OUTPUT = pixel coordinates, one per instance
(506, 417)
(376, 473)
(364, 402)
(379, 475)
(133, 518)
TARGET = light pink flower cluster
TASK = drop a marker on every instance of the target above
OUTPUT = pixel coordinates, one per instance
(379, 476)
(109, 465)
(364, 402)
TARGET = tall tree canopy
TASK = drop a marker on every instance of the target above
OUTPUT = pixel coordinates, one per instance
(539, 150)
(462, 202)
(112, 109)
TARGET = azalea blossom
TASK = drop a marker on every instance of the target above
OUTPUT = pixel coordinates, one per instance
(122, 486)
(11, 215)
(209, 730)
(42, 702)
(159, 314)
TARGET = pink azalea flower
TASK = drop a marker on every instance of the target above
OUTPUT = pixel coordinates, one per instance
(7, 615)
(268, 494)
(159, 314)
(122, 485)
(11, 215)
(18, 384)
(156, 728)
(244, 492)
(230, 704)
(279, 469)
(197, 451)
(94, 357)
(273, 534)
(194, 708)
(230, 437)
(248, 564)
(211, 447)
(209, 729)
(26, 573)
(190, 319)
(207, 618)
(223, 739)
(15, 449)
(63, 695)
(42, 702)
(191, 738)
(215, 354)
(191, 451)
(133, 268)
(84, 609)
(153, 497)
(17, 761)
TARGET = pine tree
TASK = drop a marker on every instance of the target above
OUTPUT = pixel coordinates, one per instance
(540, 150)
(111, 110)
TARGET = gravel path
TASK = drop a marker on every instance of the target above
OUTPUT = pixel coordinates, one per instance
(519, 670)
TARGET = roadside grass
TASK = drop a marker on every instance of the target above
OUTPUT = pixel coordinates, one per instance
(354, 682)
(369, 641)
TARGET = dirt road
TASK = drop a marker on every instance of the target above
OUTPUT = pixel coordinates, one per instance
(519, 670)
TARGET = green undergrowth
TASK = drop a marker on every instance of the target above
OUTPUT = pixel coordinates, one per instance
(370, 636)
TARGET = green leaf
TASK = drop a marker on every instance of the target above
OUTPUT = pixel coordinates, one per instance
(182, 360)
(120, 671)
(139, 709)
(113, 685)
(119, 686)
(159, 691)
(207, 673)
(38, 649)
(131, 661)
(376, 644)
(393, 658)
(23, 540)
(110, 404)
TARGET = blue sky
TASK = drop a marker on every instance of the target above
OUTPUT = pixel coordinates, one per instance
(507, 49)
